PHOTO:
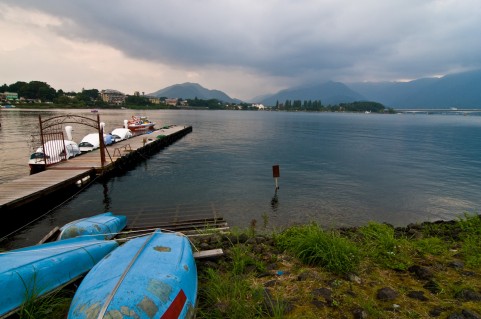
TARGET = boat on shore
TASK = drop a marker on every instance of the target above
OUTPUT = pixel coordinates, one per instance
(101, 226)
(34, 271)
(153, 276)
(139, 124)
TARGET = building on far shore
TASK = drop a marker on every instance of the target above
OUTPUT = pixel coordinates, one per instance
(259, 106)
(171, 101)
(153, 99)
(113, 97)
(9, 96)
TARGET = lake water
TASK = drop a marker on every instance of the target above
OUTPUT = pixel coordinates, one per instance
(335, 169)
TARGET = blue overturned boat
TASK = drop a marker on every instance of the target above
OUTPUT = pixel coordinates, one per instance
(101, 226)
(152, 276)
(37, 270)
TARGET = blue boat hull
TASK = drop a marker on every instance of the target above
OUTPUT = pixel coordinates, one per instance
(37, 270)
(148, 277)
(102, 226)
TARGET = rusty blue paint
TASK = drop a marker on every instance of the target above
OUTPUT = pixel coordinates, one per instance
(144, 282)
(101, 226)
(42, 268)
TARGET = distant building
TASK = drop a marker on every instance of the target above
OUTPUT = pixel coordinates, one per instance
(9, 96)
(172, 102)
(152, 99)
(113, 97)
(259, 106)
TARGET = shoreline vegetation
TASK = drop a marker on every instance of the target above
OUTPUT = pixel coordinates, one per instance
(40, 95)
(427, 270)
(298, 106)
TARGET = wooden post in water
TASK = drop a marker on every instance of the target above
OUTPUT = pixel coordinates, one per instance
(276, 174)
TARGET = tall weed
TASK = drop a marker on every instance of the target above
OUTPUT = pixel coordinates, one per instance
(228, 296)
(470, 237)
(382, 246)
(314, 246)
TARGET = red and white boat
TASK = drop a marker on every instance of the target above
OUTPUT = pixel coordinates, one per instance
(139, 123)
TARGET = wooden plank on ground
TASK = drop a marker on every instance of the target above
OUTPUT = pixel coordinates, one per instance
(208, 253)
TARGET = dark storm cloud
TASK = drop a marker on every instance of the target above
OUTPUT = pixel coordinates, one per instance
(299, 38)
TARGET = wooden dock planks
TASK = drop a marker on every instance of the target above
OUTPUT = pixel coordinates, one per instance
(27, 189)
(32, 187)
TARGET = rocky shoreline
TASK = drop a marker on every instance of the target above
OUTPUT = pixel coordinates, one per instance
(431, 285)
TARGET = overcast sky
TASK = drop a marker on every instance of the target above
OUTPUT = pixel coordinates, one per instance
(243, 47)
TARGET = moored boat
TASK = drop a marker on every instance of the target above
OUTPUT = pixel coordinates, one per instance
(53, 151)
(37, 270)
(152, 276)
(101, 226)
(140, 124)
(120, 134)
(91, 142)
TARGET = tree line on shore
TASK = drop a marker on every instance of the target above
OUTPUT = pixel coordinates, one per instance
(42, 93)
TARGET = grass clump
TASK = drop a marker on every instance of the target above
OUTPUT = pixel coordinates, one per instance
(226, 295)
(314, 246)
(430, 246)
(470, 235)
(381, 245)
(242, 260)
(52, 305)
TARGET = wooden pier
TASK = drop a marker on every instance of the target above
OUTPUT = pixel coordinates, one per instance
(119, 156)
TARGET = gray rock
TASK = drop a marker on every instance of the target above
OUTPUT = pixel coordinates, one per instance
(469, 314)
(436, 312)
(456, 264)
(318, 304)
(468, 295)
(419, 295)
(433, 287)
(354, 278)
(322, 292)
(386, 294)
(359, 314)
(421, 272)
(306, 275)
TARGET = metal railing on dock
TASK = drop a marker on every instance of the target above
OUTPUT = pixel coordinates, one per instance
(76, 171)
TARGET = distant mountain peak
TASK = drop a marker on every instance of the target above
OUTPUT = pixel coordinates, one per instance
(329, 92)
(190, 90)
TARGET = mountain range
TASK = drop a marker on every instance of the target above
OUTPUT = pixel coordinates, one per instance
(460, 90)
(191, 91)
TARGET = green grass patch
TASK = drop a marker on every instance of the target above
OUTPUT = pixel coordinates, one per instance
(470, 224)
(314, 246)
(431, 245)
(52, 305)
(242, 260)
(470, 237)
(228, 296)
(381, 245)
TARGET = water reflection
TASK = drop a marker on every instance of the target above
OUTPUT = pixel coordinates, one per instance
(275, 202)
(107, 200)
